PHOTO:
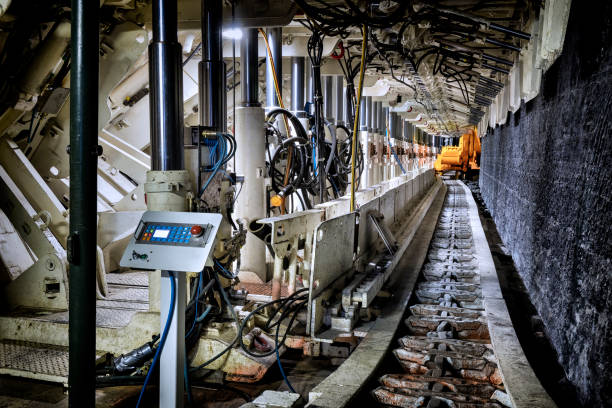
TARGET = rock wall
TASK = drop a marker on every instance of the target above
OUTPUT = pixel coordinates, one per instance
(546, 178)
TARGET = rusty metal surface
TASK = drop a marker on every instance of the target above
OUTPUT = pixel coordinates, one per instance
(447, 359)
(262, 289)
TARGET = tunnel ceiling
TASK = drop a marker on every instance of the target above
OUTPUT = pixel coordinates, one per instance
(446, 60)
(443, 63)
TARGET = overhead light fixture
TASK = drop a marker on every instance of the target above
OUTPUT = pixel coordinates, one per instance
(232, 33)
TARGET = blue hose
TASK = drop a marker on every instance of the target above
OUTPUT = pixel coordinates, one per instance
(162, 340)
(222, 155)
(282, 371)
(204, 313)
(195, 316)
(393, 151)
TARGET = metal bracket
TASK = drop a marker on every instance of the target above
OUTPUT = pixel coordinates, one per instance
(387, 236)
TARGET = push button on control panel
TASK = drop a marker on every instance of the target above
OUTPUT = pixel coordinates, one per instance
(196, 231)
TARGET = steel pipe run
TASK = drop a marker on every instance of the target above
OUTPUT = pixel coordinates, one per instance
(502, 44)
(212, 71)
(497, 59)
(297, 84)
(275, 39)
(338, 99)
(84, 151)
(494, 68)
(250, 161)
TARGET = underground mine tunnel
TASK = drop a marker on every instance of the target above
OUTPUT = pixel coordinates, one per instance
(305, 203)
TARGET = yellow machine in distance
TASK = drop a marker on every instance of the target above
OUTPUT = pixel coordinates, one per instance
(463, 158)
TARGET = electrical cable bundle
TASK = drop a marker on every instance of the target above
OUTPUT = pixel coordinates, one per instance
(336, 20)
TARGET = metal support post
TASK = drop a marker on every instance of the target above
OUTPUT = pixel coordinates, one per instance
(250, 162)
(172, 360)
(167, 163)
(84, 151)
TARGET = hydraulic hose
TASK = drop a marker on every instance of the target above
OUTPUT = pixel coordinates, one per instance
(297, 125)
(332, 154)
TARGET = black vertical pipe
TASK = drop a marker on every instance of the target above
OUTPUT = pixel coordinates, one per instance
(363, 120)
(380, 118)
(339, 99)
(375, 118)
(309, 81)
(368, 103)
(166, 85)
(384, 119)
(297, 84)
(328, 97)
(398, 126)
(275, 38)
(249, 87)
(83, 202)
(212, 72)
(348, 108)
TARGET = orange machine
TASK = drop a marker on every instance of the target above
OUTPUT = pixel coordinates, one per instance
(462, 158)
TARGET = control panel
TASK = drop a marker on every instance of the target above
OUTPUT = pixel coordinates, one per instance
(173, 241)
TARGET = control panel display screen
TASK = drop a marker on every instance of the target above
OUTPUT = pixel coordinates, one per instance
(161, 233)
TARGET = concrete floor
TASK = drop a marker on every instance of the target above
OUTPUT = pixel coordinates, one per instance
(303, 374)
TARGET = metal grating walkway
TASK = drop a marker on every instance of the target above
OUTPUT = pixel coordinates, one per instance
(33, 360)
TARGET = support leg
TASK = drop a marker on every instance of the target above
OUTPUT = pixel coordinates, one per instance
(171, 381)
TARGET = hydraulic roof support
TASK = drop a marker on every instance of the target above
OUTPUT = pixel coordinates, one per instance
(250, 161)
(84, 151)
(212, 75)
(166, 84)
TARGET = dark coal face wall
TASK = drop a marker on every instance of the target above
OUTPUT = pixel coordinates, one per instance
(546, 177)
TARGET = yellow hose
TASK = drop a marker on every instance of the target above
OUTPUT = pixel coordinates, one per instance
(356, 124)
(276, 85)
(282, 105)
